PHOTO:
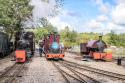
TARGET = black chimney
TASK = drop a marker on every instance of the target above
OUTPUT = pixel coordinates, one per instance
(100, 37)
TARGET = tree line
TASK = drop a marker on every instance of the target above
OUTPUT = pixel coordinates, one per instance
(71, 37)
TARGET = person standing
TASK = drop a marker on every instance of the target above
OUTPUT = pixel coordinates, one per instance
(41, 48)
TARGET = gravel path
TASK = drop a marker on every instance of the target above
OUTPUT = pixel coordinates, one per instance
(41, 71)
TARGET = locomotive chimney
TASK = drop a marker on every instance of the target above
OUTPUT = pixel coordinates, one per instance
(100, 37)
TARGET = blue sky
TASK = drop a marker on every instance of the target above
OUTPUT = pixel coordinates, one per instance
(86, 15)
(81, 7)
(83, 10)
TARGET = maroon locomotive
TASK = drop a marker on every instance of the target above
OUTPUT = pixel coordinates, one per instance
(95, 49)
(52, 46)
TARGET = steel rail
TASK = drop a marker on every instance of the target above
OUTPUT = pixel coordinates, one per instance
(88, 77)
(68, 75)
(74, 73)
(7, 70)
(95, 70)
(16, 73)
(61, 72)
(11, 73)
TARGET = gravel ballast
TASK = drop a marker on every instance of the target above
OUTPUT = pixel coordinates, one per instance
(41, 71)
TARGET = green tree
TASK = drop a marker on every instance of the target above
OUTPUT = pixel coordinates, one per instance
(68, 37)
(46, 24)
(40, 32)
(85, 37)
(116, 39)
(13, 13)
(112, 39)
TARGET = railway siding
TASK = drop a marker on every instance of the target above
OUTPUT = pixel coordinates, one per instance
(107, 66)
(11, 73)
(69, 76)
(96, 72)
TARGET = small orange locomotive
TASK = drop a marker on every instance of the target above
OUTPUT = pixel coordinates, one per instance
(52, 47)
(24, 46)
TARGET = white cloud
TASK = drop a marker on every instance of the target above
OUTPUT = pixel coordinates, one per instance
(94, 24)
(44, 9)
(110, 26)
(102, 18)
(99, 2)
(103, 7)
(104, 23)
(65, 19)
(117, 28)
(107, 28)
(57, 22)
(118, 14)
(120, 1)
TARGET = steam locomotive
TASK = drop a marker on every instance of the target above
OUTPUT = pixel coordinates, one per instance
(95, 49)
(24, 46)
(52, 47)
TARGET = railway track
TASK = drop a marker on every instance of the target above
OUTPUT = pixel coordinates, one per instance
(11, 73)
(94, 70)
(68, 73)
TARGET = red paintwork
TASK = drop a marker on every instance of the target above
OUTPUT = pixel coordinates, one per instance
(102, 56)
(55, 55)
(20, 55)
(51, 39)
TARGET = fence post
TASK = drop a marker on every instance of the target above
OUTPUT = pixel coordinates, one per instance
(119, 61)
